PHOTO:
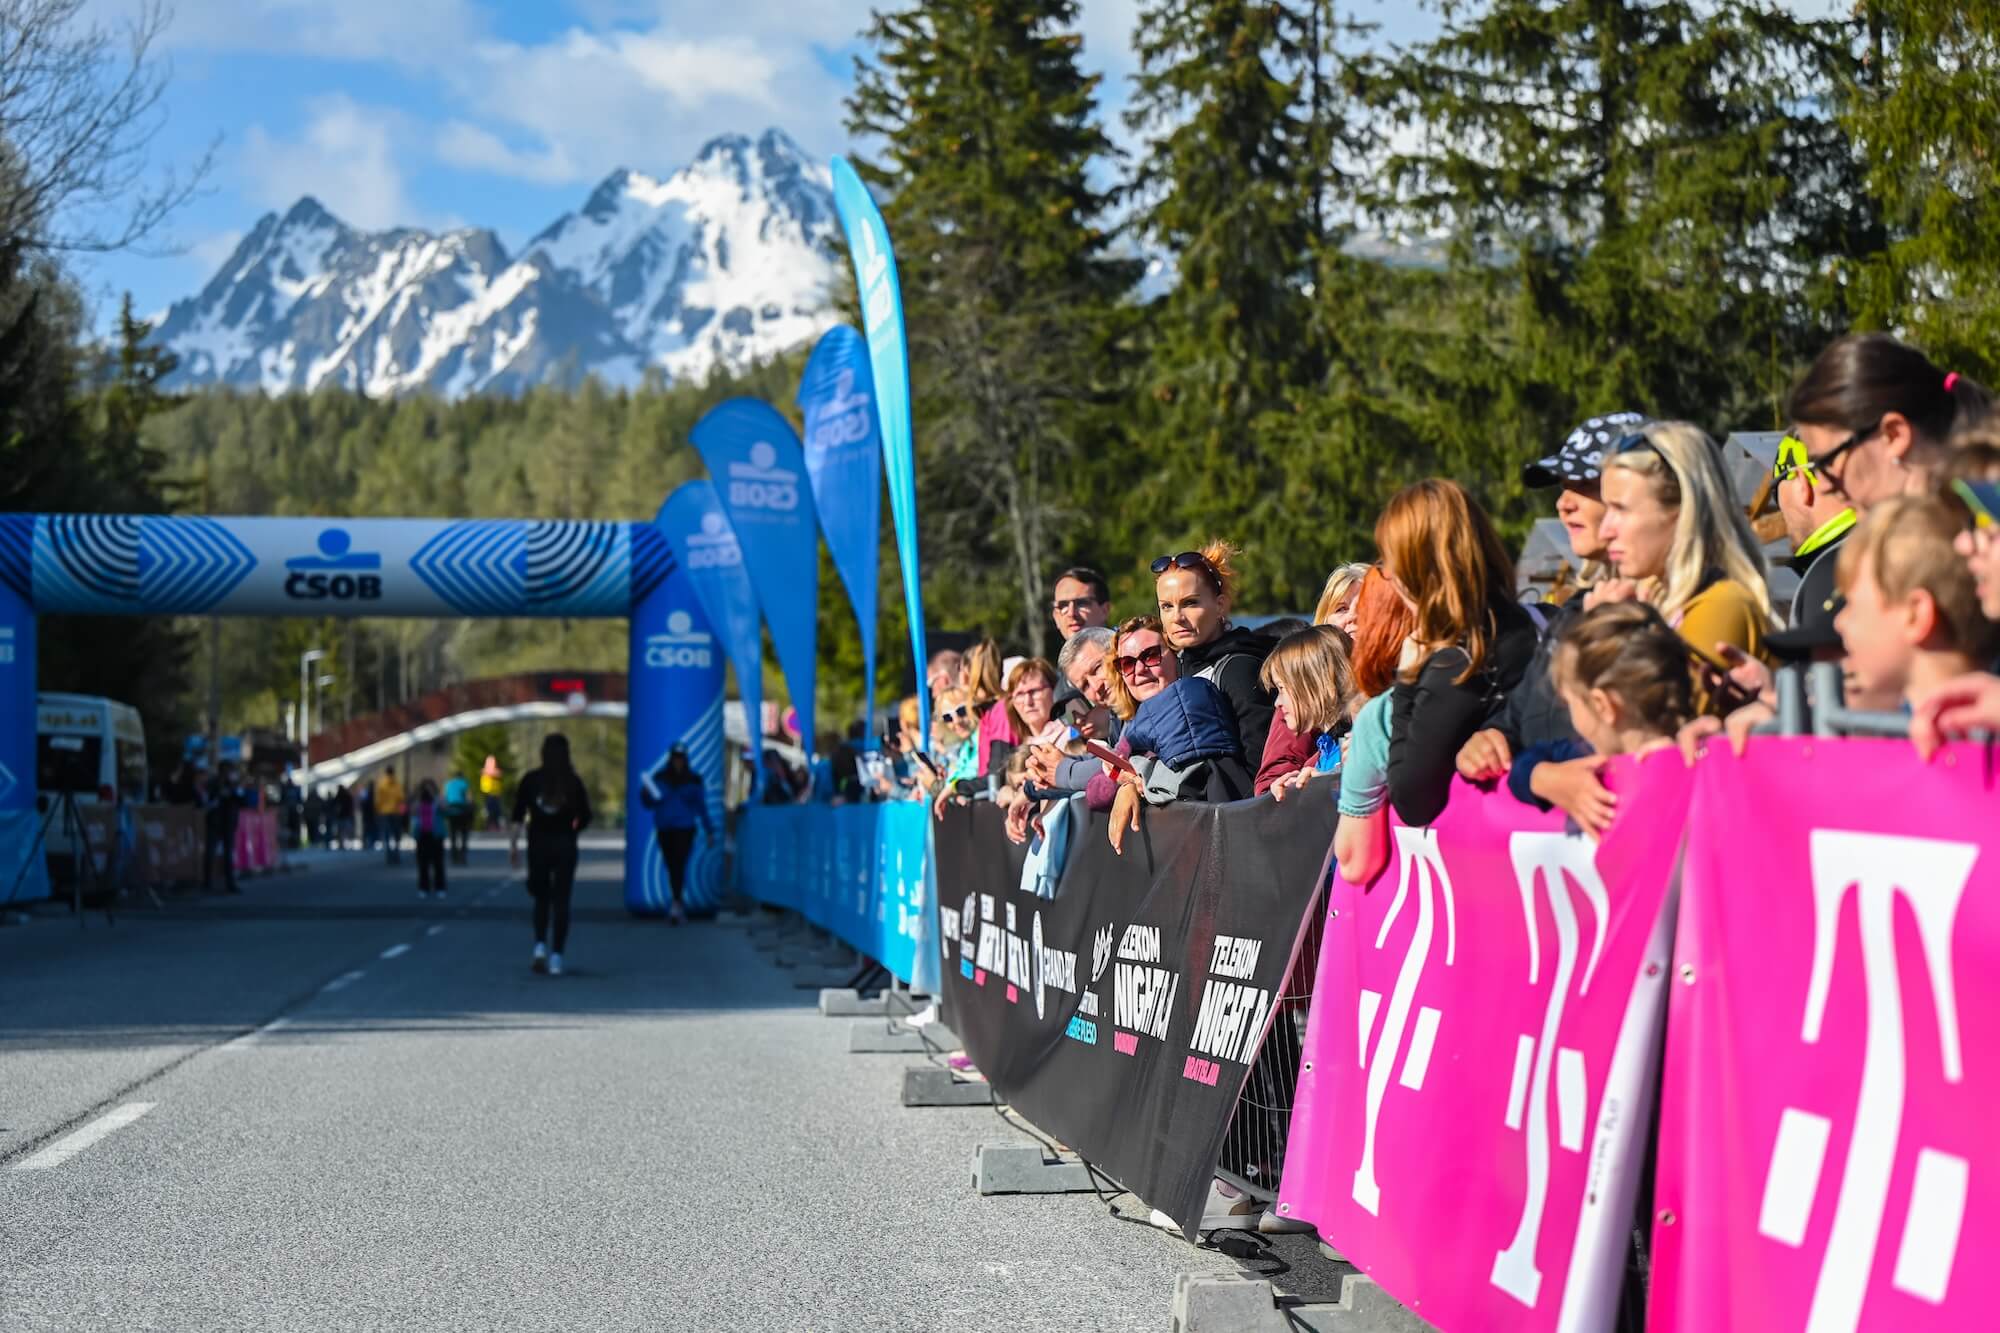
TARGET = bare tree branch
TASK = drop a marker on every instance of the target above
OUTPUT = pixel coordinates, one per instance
(80, 108)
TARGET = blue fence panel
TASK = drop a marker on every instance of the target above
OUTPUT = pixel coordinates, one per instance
(860, 872)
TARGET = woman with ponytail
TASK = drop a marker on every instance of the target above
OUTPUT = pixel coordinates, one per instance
(554, 807)
(1876, 418)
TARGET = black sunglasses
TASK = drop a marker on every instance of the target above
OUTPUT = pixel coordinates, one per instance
(1813, 467)
(956, 715)
(1190, 560)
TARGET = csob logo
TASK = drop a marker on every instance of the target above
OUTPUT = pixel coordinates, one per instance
(681, 646)
(844, 418)
(715, 546)
(761, 483)
(336, 572)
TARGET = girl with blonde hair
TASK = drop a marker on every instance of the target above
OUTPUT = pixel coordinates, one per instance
(1313, 680)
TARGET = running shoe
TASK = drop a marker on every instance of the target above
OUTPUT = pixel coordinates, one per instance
(540, 962)
(555, 964)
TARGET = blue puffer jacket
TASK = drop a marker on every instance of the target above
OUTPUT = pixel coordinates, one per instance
(1187, 722)
(678, 806)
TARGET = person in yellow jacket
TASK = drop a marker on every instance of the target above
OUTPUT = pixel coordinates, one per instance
(392, 809)
(490, 788)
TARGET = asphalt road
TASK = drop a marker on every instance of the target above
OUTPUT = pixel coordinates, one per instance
(327, 1104)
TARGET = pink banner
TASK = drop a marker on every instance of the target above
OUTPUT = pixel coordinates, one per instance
(1833, 1060)
(1477, 1079)
(257, 840)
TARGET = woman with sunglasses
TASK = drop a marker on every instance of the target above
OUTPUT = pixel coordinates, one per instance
(1140, 667)
(1873, 418)
(1194, 590)
(1473, 640)
(1679, 539)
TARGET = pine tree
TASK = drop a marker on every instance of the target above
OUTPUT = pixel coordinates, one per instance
(990, 139)
(1924, 113)
(1638, 201)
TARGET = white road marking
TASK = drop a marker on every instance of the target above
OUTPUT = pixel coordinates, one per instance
(438, 929)
(249, 1039)
(341, 982)
(71, 1144)
(395, 951)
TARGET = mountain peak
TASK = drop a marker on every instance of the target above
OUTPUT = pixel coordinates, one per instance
(724, 262)
(309, 212)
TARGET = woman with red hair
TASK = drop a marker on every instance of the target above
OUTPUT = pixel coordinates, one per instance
(1473, 642)
(1382, 624)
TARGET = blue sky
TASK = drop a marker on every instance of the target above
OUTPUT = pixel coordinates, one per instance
(502, 113)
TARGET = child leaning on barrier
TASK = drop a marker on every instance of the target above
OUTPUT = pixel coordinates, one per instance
(1312, 676)
(1622, 672)
(1913, 621)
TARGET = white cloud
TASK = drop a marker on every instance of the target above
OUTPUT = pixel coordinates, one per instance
(209, 252)
(588, 102)
(405, 32)
(345, 158)
(472, 148)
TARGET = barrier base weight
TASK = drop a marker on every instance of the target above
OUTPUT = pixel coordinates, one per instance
(906, 1002)
(929, 1086)
(1251, 1305)
(1026, 1168)
(841, 1002)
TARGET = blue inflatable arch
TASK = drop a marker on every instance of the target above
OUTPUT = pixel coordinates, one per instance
(150, 564)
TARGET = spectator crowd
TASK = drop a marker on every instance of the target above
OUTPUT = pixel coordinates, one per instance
(1426, 663)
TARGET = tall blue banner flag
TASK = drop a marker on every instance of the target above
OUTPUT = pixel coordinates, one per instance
(705, 547)
(757, 464)
(844, 460)
(889, 363)
(675, 693)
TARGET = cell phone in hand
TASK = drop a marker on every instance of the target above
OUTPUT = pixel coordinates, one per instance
(1110, 756)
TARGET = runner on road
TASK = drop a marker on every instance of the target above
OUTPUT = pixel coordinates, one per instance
(552, 803)
(679, 803)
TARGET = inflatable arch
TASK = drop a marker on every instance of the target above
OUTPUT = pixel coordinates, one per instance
(150, 564)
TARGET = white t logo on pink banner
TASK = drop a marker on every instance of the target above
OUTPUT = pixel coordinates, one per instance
(1510, 988)
(1835, 1044)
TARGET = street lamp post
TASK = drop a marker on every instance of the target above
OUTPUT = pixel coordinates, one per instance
(306, 659)
(319, 698)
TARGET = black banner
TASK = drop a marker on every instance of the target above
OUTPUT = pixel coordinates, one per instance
(1122, 1015)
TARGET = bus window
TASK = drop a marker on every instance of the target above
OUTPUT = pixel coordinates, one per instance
(68, 763)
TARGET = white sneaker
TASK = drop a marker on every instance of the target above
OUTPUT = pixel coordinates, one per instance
(1227, 1208)
(924, 1017)
(555, 964)
(540, 961)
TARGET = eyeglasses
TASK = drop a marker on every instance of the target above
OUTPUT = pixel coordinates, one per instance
(1792, 455)
(1192, 560)
(1146, 657)
(1030, 691)
(1073, 604)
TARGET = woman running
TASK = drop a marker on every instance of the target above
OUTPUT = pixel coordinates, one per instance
(552, 803)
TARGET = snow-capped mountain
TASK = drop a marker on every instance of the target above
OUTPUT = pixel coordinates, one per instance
(726, 261)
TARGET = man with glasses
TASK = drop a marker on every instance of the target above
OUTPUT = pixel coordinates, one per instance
(1082, 601)
(1817, 518)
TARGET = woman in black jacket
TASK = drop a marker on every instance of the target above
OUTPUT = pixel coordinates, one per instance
(1194, 594)
(553, 806)
(1474, 642)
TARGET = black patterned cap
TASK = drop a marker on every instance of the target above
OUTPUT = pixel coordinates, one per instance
(1581, 457)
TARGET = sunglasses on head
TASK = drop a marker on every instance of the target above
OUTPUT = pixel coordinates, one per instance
(1189, 560)
(1146, 657)
(1637, 442)
(1792, 455)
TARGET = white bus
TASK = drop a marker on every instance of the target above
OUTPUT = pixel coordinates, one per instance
(89, 747)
